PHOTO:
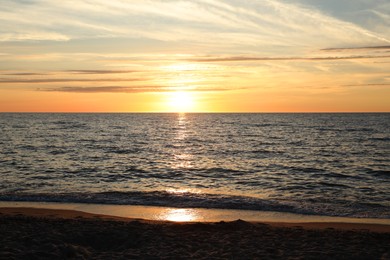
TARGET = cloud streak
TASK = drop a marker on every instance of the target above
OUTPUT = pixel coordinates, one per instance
(101, 71)
(368, 84)
(134, 89)
(358, 48)
(11, 81)
(25, 74)
(208, 23)
(248, 58)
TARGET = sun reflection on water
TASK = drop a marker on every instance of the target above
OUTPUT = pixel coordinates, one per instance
(183, 157)
(180, 215)
(182, 191)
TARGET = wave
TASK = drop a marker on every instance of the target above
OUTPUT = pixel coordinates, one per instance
(201, 200)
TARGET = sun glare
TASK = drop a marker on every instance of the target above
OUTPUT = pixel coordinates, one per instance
(180, 215)
(181, 101)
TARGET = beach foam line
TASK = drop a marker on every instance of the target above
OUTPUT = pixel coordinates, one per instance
(45, 213)
(122, 212)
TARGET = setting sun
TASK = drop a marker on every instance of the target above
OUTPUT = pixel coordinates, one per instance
(181, 101)
(124, 117)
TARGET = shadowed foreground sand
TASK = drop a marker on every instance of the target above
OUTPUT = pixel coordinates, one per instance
(55, 234)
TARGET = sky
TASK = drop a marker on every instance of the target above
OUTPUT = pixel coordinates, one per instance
(195, 56)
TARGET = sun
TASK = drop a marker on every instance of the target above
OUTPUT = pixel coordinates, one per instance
(181, 101)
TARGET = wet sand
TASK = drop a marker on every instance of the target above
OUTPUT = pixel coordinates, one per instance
(31, 233)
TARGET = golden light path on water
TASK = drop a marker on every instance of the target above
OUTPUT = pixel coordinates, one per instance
(182, 160)
(180, 215)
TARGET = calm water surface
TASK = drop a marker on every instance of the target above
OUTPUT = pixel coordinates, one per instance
(322, 164)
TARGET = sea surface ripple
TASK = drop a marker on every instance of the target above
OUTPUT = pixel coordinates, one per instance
(322, 164)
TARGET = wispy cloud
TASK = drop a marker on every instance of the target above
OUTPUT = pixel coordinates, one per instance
(208, 23)
(25, 74)
(67, 80)
(32, 36)
(70, 72)
(368, 85)
(255, 58)
(104, 89)
(101, 71)
(358, 48)
(120, 89)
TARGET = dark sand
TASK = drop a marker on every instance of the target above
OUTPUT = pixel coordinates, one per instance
(27, 233)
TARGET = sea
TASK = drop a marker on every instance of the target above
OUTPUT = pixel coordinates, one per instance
(330, 164)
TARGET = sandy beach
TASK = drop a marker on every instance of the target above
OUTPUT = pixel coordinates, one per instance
(30, 233)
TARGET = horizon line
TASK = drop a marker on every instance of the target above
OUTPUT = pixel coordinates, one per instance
(206, 112)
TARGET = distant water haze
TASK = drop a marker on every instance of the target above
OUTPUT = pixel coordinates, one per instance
(317, 164)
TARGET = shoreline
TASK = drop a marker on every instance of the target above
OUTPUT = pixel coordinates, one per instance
(36, 233)
(158, 213)
(46, 213)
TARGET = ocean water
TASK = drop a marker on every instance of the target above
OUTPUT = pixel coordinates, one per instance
(315, 164)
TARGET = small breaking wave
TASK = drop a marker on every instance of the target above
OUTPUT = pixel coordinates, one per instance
(200, 200)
